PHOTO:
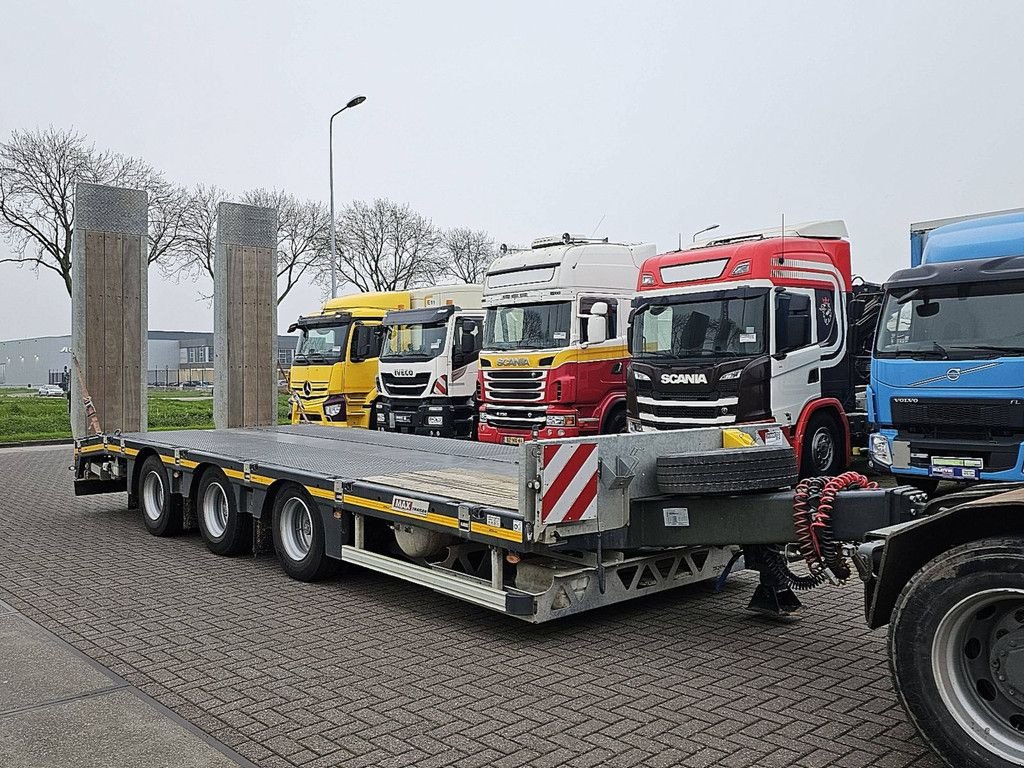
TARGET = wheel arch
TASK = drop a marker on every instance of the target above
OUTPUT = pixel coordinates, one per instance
(611, 407)
(137, 462)
(825, 406)
(910, 549)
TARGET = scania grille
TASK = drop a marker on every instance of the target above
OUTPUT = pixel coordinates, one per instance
(933, 415)
(405, 386)
(520, 386)
(667, 413)
(515, 416)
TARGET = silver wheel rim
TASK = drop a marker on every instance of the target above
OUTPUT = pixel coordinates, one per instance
(978, 663)
(215, 510)
(823, 448)
(296, 528)
(153, 495)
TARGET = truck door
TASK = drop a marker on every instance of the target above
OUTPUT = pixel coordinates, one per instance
(603, 373)
(466, 341)
(796, 355)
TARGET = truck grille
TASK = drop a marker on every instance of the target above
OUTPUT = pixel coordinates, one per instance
(405, 386)
(516, 416)
(521, 386)
(669, 414)
(957, 414)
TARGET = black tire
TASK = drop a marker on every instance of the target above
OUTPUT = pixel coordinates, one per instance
(727, 470)
(161, 510)
(299, 536)
(616, 422)
(924, 484)
(823, 451)
(225, 530)
(942, 618)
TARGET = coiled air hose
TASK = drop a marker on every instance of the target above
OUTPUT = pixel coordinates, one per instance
(813, 501)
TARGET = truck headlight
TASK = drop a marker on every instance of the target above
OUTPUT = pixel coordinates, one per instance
(878, 445)
(641, 376)
(561, 421)
(634, 425)
(730, 375)
(483, 418)
(332, 410)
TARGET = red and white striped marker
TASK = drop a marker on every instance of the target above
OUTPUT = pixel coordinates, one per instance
(569, 483)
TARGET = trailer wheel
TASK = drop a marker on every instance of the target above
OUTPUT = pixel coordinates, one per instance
(299, 536)
(822, 452)
(160, 512)
(727, 470)
(956, 649)
(225, 530)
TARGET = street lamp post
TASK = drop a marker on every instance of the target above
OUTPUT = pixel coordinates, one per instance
(702, 231)
(353, 102)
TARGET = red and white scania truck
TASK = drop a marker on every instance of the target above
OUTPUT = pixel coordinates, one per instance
(759, 326)
(553, 362)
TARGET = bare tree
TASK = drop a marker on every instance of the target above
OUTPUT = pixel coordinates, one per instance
(193, 258)
(467, 253)
(384, 246)
(168, 216)
(302, 230)
(38, 173)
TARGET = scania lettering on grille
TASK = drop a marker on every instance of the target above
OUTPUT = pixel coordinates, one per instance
(684, 378)
(504, 362)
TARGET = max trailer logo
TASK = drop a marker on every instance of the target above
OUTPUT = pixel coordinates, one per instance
(684, 378)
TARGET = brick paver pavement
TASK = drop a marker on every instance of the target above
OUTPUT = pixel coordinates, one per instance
(366, 670)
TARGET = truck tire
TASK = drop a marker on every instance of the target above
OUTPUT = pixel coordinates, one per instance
(161, 511)
(956, 650)
(822, 452)
(225, 530)
(299, 536)
(616, 423)
(727, 470)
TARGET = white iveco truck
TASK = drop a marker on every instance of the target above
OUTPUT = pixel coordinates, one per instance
(428, 364)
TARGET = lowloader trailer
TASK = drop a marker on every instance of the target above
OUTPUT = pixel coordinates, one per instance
(552, 528)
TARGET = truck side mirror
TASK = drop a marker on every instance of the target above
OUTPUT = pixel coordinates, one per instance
(468, 345)
(597, 323)
(366, 341)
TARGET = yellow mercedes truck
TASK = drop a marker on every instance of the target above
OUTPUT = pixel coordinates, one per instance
(333, 375)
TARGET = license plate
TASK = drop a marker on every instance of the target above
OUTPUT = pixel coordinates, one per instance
(512, 440)
(955, 468)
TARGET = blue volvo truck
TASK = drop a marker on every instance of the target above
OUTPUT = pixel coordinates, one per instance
(946, 398)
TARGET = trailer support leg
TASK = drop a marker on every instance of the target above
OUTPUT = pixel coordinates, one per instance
(497, 568)
(772, 597)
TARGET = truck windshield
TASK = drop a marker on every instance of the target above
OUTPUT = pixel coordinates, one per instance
(414, 342)
(726, 327)
(528, 326)
(322, 344)
(956, 321)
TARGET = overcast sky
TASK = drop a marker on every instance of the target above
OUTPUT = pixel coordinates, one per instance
(533, 118)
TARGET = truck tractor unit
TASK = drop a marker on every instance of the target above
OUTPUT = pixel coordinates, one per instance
(947, 376)
(333, 374)
(554, 356)
(763, 326)
(428, 364)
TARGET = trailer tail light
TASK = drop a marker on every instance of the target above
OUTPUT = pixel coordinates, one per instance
(441, 385)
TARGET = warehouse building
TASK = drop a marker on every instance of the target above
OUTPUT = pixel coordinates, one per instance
(175, 358)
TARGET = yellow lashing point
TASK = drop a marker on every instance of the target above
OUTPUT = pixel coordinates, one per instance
(734, 438)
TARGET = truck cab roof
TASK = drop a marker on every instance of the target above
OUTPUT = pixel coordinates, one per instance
(569, 262)
(987, 237)
(801, 255)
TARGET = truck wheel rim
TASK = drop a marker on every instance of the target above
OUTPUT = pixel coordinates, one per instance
(823, 448)
(215, 510)
(978, 665)
(153, 496)
(296, 529)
